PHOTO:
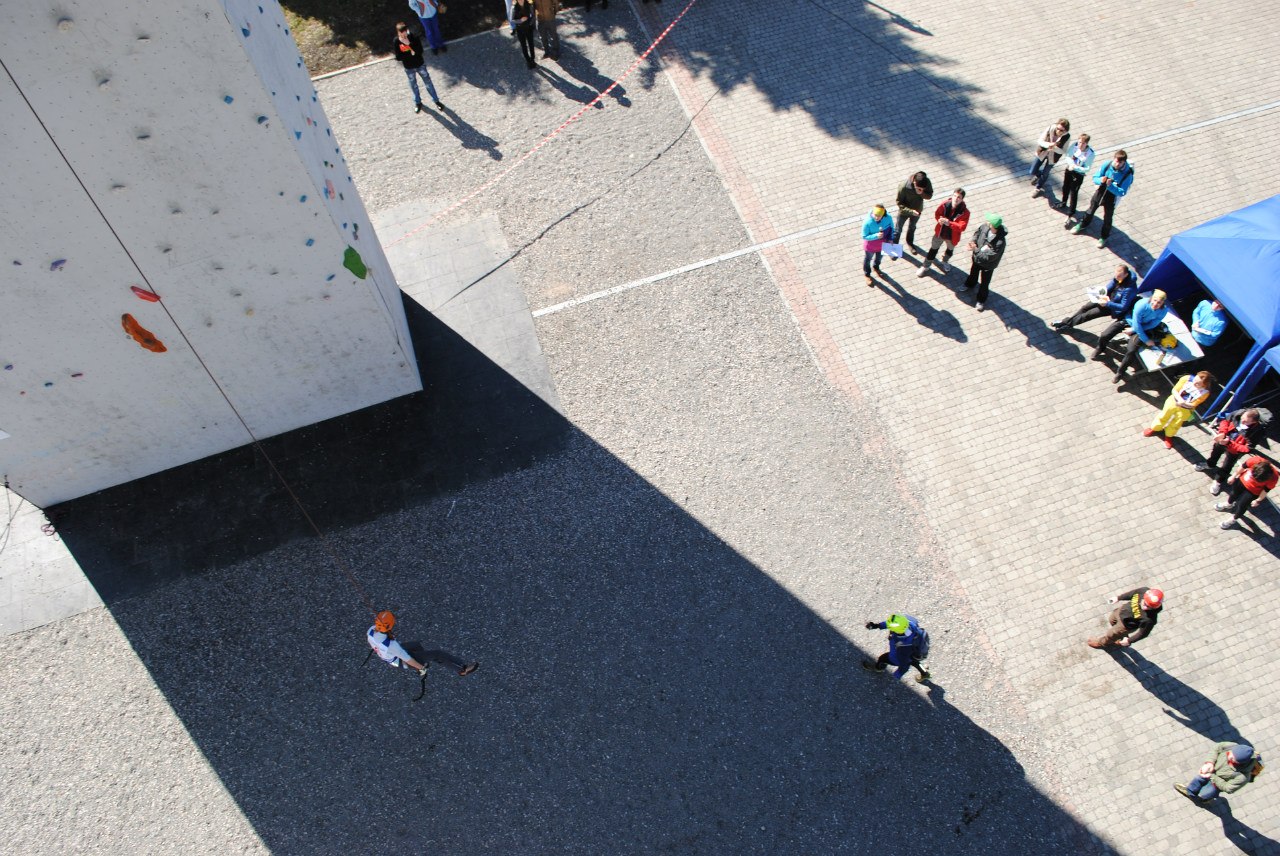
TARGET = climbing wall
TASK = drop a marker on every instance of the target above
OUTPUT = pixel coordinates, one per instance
(176, 212)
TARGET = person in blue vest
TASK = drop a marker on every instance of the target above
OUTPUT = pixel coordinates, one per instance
(1113, 179)
(908, 646)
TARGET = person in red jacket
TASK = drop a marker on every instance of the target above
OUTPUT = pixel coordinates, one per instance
(1255, 478)
(952, 217)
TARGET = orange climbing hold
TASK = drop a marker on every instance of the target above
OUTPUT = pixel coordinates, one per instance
(141, 334)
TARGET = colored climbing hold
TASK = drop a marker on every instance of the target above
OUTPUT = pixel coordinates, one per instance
(18, 263)
(58, 264)
(144, 294)
(351, 261)
(311, 242)
(297, 135)
(8, 367)
(328, 278)
(77, 374)
(48, 384)
(262, 120)
(227, 99)
(245, 30)
(302, 198)
(141, 335)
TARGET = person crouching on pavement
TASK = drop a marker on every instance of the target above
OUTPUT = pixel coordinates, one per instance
(1230, 768)
(1135, 614)
(1256, 478)
(1236, 436)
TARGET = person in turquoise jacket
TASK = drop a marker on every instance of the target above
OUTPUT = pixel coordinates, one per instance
(876, 229)
(1114, 179)
(1148, 315)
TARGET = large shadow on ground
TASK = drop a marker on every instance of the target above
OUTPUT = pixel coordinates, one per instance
(644, 687)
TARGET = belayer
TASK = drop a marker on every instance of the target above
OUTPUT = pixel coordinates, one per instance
(411, 655)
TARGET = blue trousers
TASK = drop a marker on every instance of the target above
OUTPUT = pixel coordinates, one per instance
(431, 27)
(1201, 787)
(413, 74)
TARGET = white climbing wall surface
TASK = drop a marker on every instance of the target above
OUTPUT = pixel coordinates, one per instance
(174, 201)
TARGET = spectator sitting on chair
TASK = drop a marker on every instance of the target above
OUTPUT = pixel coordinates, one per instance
(1256, 477)
(1207, 322)
(1148, 315)
(1188, 393)
(1121, 293)
(1236, 437)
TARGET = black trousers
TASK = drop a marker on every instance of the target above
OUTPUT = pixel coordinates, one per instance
(1108, 202)
(911, 220)
(882, 663)
(980, 277)
(525, 35)
(1221, 473)
(1239, 498)
(1071, 181)
(419, 652)
(1088, 312)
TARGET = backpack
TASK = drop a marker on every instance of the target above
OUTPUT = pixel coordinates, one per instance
(922, 638)
(1256, 769)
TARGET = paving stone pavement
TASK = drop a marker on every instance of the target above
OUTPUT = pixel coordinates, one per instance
(1028, 464)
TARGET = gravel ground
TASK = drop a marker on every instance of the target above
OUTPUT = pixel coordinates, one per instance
(669, 612)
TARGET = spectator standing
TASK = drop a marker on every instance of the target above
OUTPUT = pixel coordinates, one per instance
(1189, 392)
(1079, 162)
(1052, 143)
(908, 647)
(546, 10)
(876, 229)
(1207, 322)
(523, 15)
(1117, 301)
(914, 192)
(1113, 179)
(1146, 320)
(1252, 482)
(407, 48)
(1236, 436)
(988, 248)
(1136, 612)
(428, 12)
(1229, 768)
(952, 218)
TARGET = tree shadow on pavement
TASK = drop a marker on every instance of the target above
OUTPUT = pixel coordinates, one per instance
(940, 321)
(467, 135)
(856, 70)
(1185, 704)
(1244, 837)
(644, 687)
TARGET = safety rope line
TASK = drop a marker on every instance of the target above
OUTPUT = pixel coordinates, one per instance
(549, 137)
(160, 300)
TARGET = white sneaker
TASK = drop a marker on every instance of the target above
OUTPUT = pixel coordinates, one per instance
(979, 306)
(1215, 488)
(1229, 523)
(922, 273)
(944, 267)
(1222, 506)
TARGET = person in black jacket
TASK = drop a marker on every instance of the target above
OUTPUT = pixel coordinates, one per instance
(522, 13)
(407, 48)
(914, 192)
(1135, 614)
(988, 247)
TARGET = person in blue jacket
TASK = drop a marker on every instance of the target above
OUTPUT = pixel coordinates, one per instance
(1207, 322)
(1121, 293)
(908, 646)
(1113, 179)
(1148, 316)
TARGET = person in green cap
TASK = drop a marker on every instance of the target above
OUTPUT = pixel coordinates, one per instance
(908, 646)
(988, 246)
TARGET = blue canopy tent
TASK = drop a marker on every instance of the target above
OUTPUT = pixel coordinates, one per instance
(1236, 258)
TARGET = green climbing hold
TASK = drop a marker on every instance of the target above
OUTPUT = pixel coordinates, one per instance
(351, 261)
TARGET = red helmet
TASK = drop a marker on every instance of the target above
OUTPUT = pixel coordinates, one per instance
(1153, 598)
(384, 621)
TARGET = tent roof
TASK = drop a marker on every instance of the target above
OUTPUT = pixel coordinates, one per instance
(1237, 257)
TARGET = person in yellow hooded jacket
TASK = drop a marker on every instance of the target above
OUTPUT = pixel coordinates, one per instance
(1189, 392)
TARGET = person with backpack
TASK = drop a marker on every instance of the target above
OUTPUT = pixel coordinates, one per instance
(988, 247)
(1229, 768)
(1135, 614)
(908, 647)
(1113, 179)
(412, 655)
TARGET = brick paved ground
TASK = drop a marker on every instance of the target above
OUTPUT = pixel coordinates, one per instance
(1029, 466)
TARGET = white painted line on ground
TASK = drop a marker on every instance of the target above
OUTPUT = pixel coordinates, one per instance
(848, 221)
